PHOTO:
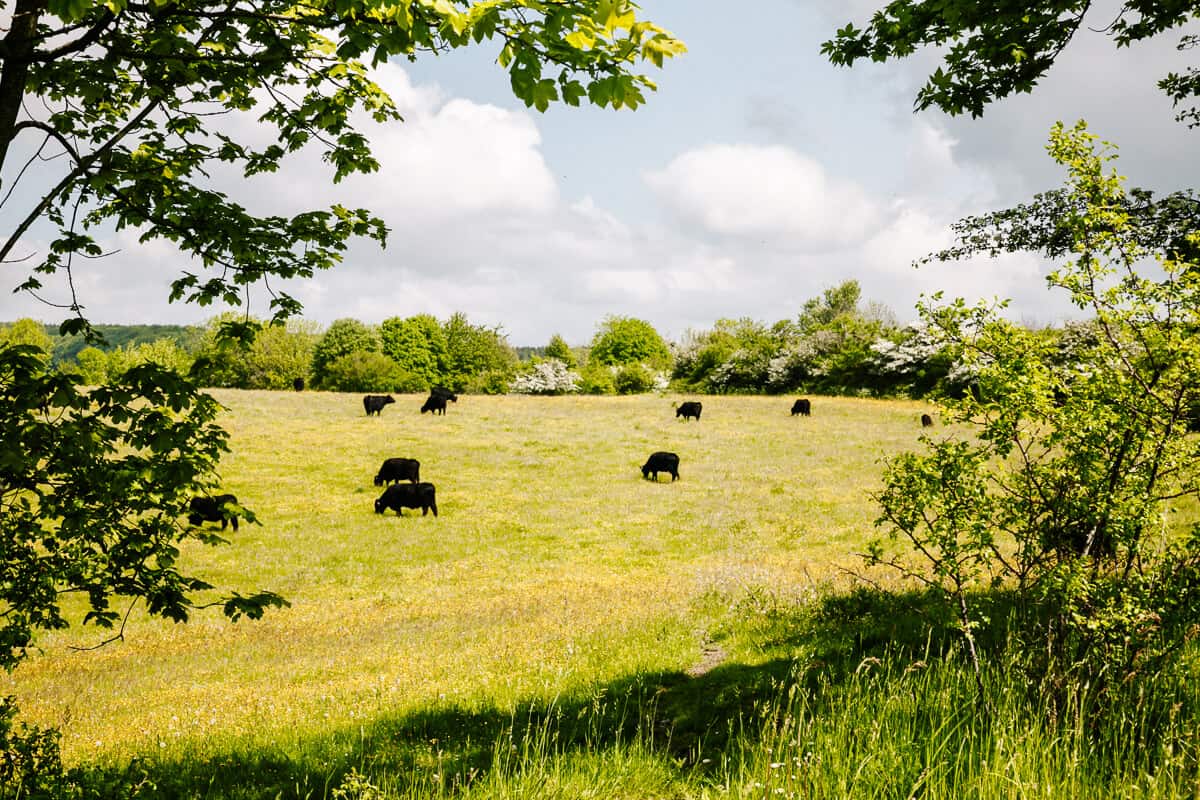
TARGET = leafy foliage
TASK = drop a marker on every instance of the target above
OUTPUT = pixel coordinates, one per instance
(273, 360)
(1059, 492)
(344, 337)
(365, 371)
(990, 51)
(625, 340)
(30, 762)
(633, 379)
(417, 344)
(475, 351)
(559, 349)
(91, 501)
(829, 348)
(27, 332)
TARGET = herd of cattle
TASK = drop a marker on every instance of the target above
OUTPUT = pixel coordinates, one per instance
(423, 495)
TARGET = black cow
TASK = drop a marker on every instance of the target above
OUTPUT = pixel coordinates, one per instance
(374, 403)
(407, 495)
(298, 384)
(394, 470)
(803, 406)
(926, 421)
(689, 409)
(444, 393)
(212, 509)
(661, 462)
(435, 404)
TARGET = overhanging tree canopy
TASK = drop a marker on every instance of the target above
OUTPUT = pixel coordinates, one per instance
(126, 92)
(992, 50)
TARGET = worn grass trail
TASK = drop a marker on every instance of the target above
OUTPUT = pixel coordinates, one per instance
(553, 565)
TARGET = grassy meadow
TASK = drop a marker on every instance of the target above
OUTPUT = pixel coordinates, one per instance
(564, 628)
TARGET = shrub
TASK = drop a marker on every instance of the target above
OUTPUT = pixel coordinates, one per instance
(547, 377)
(492, 381)
(344, 337)
(559, 349)
(597, 379)
(30, 763)
(625, 340)
(365, 371)
(417, 344)
(634, 379)
(1060, 491)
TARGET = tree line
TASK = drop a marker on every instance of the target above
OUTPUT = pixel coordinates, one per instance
(837, 344)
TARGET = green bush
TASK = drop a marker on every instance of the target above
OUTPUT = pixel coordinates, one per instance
(492, 381)
(344, 337)
(366, 371)
(597, 379)
(625, 340)
(30, 763)
(633, 379)
(1062, 490)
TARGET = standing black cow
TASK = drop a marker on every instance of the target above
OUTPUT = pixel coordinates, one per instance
(691, 408)
(212, 509)
(435, 405)
(926, 421)
(374, 403)
(298, 384)
(444, 393)
(408, 495)
(661, 462)
(394, 470)
(803, 406)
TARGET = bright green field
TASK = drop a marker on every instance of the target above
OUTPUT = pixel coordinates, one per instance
(553, 566)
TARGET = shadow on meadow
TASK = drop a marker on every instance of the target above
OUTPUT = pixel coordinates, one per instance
(688, 721)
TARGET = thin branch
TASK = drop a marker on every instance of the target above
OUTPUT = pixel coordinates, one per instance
(118, 637)
(80, 169)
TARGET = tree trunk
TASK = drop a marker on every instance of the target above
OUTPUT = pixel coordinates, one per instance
(15, 51)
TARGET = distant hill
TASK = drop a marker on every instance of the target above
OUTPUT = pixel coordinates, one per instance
(115, 336)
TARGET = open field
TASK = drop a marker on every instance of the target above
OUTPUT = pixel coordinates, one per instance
(556, 590)
(553, 563)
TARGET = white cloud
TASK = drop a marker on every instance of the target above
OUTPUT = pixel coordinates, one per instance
(772, 191)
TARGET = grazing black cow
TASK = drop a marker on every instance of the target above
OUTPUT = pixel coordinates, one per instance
(661, 462)
(689, 409)
(394, 470)
(407, 495)
(298, 384)
(444, 393)
(212, 509)
(926, 421)
(803, 406)
(435, 404)
(374, 403)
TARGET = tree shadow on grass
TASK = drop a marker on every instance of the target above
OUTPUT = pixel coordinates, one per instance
(683, 718)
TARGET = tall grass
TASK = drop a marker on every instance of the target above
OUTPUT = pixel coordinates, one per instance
(567, 629)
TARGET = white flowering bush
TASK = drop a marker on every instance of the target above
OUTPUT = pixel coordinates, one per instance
(914, 359)
(547, 377)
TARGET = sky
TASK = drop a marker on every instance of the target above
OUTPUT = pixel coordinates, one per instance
(757, 176)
